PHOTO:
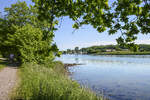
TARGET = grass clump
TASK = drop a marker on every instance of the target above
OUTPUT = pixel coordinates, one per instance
(3, 64)
(42, 83)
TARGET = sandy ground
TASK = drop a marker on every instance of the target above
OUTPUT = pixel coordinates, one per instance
(8, 77)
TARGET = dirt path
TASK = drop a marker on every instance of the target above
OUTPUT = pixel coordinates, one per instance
(8, 77)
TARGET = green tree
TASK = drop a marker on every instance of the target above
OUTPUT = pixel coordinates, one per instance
(68, 51)
(131, 17)
(76, 49)
(24, 35)
(29, 46)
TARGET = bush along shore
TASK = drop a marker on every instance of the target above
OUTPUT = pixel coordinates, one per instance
(39, 82)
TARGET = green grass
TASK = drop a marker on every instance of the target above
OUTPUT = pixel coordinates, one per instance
(3, 64)
(41, 83)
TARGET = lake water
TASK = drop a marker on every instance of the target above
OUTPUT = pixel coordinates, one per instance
(116, 77)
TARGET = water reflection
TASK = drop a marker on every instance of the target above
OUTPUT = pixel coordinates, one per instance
(141, 59)
(117, 77)
(77, 60)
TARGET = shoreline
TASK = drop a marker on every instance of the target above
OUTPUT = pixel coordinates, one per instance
(117, 53)
(66, 65)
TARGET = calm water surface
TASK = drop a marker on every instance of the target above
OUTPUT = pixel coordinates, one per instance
(117, 77)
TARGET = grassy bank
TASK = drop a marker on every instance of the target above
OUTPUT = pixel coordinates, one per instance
(1, 67)
(123, 53)
(3, 64)
(41, 83)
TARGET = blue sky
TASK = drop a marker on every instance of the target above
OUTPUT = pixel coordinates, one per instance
(84, 37)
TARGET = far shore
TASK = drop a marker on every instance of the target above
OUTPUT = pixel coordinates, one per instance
(118, 53)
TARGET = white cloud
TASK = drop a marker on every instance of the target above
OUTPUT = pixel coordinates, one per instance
(98, 43)
(142, 41)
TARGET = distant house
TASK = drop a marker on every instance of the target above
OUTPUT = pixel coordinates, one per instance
(113, 49)
(110, 50)
(125, 49)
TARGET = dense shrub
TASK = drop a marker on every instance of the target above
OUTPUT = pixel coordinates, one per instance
(29, 45)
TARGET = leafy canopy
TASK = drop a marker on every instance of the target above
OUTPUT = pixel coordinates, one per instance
(130, 17)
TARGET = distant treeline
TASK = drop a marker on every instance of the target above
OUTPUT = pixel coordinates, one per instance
(106, 49)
